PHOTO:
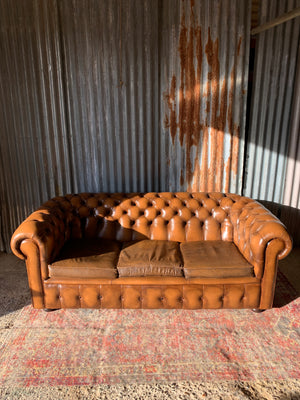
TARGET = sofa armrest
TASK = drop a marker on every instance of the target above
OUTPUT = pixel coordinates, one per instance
(38, 240)
(254, 227)
(46, 230)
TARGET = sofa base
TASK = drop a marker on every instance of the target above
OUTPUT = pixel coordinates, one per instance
(152, 296)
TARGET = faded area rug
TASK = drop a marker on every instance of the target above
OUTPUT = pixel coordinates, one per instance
(92, 347)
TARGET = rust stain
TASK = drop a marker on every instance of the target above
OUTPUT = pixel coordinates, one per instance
(235, 148)
(227, 174)
(187, 123)
(195, 185)
(181, 178)
(170, 120)
(213, 76)
(208, 170)
(239, 46)
(220, 138)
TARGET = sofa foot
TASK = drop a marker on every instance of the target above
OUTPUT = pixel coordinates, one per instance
(50, 309)
(258, 310)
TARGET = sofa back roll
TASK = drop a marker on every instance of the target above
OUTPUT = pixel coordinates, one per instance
(176, 217)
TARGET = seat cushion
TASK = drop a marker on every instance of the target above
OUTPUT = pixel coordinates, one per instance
(214, 259)
(150, 258)
(87, 258)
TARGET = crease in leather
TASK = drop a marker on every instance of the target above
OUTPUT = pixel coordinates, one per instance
(150, 258)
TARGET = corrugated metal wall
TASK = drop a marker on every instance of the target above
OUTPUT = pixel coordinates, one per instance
(35, 159)
(292, 181)
(132, 95)
(111, 53)
(271, 109)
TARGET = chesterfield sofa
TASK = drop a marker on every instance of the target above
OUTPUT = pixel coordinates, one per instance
(154, 250)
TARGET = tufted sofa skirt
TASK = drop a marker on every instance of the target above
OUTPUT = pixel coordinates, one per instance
(135, 296)
(169, 216)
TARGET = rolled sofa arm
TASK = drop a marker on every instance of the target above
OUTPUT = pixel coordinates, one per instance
(38, 240)
(254, 227)
(46, 230)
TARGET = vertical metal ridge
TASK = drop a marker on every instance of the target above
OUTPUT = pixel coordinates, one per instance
(62, 82)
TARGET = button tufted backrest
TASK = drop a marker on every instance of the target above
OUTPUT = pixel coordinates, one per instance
(178, 216)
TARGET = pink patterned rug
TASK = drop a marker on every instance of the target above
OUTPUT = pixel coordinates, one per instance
(88, 347)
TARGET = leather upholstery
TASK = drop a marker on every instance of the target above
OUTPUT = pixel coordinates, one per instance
(150, 257)
(87, 258)
(213, 259)
(179, 217)
(254, 227)
(187, 296)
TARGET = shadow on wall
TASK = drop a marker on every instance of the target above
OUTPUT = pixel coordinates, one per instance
(289, 216)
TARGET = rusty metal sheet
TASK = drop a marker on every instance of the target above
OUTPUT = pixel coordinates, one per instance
(206, 96)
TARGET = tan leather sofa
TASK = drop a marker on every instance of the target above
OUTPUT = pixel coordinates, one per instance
(153, 250)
